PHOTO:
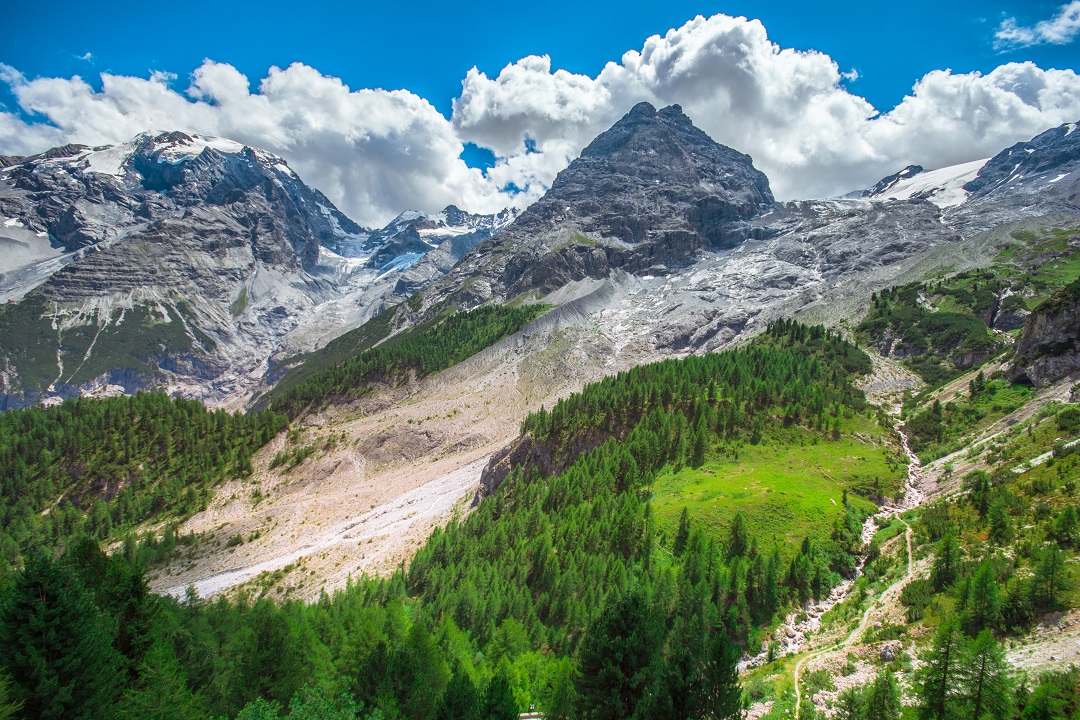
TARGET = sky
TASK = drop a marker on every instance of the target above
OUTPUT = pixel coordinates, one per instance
(387, 106)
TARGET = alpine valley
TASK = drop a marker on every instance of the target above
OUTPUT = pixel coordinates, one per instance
(656, 446)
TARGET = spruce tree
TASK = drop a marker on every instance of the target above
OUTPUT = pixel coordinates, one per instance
(58, 646)
(937, 678)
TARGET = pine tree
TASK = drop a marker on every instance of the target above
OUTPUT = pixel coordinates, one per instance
(58, 646)
(937, 677)
(682, 534)
(1050, 576)
(851, 704)
(717, 694)
(946, 566)
(738, 544)
(9, 706)
(984, 601)
(1066, 526)
(614, 660)
(1001, 529)
(984, 679)
(460, 701)
(162, 692)
(498, 702)
(883, 700)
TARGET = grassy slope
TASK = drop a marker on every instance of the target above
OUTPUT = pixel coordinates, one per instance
(941, 314)
(786, 487)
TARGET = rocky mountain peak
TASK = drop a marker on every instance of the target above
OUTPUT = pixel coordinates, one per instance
(1056, 151)
(646, 196)
(889, 182)
(663, 146)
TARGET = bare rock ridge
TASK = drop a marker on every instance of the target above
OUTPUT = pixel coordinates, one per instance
(1049, 347)
(1057, 150)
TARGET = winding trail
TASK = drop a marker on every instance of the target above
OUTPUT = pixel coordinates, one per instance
(913, 497)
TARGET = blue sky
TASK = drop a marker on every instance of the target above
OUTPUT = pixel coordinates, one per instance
(390, 152)
(427, 47)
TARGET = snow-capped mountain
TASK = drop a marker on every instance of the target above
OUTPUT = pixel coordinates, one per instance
(412, 234)
(200, 265)
(664, 242)
(184, 261)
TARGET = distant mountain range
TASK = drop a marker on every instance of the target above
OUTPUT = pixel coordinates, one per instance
(202, 266)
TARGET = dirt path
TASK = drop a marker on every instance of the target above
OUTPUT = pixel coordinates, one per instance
(889, 592)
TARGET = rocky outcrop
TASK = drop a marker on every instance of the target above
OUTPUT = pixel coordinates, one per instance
(1049, 348)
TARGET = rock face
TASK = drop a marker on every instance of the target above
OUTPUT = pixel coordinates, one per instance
(645, 196)
(1049, 348)
(883, 186)
(187, 262)
(679, 247)
(1027, 165)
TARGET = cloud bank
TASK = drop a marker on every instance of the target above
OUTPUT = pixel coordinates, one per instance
(376, 152)
(1058, 30)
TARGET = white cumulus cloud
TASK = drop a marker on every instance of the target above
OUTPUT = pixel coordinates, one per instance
(1058, 30)
(376, 152)
(373, 152)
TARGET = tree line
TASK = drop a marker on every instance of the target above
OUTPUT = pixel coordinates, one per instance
(422, 351)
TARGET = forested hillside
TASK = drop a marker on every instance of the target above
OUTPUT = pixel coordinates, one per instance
(426, 349)
(563, 591)
(98, 468)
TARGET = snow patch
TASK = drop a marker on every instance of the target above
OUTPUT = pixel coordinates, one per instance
(1062, 176)
(943, 187)
(180, 151)
(109, 160)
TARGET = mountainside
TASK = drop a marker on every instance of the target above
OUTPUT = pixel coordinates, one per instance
(678, 257)
(534, 463)
(189, 263)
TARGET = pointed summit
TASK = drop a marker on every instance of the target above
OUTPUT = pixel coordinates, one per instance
(645, 196)
(649, 148)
